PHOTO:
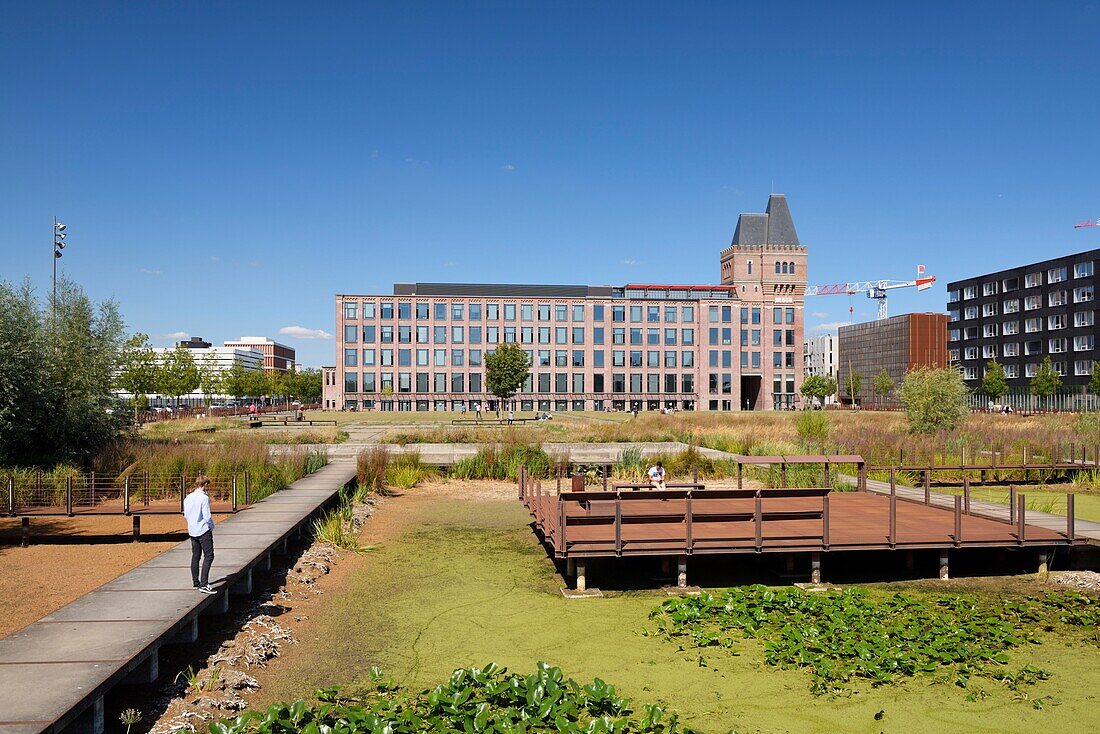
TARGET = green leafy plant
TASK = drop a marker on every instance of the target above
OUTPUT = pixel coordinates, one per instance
(994, 382)
(488, 699)
(506, 368)
(934, 399)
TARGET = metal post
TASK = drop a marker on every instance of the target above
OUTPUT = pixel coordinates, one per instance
(520, 482)
(11, 496)
(183, 490)
(126, 495)
(137, 528)
(828, 482)
(927, 486)
(958, 520)
(893, 510)
(145, 489)
(783, 474)
(247, 489)
(1021, 522)
(69, 496)
(25, 524)
(815, 568)
(687, 521)
(557, 476)
(694, 475)
(618, 525)
(1012, 505)
(944, 568)
(739, 474)
(91, 485)
(757, 520)
(235, 491)
(1069, 518)
(966, 495)
(606, 474)
(825, 521)
(682, 572)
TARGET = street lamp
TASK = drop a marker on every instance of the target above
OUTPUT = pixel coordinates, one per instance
(58, 246)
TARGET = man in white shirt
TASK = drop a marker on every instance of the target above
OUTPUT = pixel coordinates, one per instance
(657, 476)
(200, 526)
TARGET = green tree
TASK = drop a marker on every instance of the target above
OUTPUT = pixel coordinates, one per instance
(1046, 381)
(210, 377)
(505, 370)
(307, 385)
(883, 384)
(235, 380)
(1094, 380)
(994, 383)
(178, 374)
(853, 383)
(934, 399)
(57, 374)
(819, 386)
(137, 371)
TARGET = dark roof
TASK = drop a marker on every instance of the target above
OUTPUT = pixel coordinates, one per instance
(774, 227)
(500, 290)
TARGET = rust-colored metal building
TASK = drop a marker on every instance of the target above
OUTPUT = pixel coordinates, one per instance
(897, 344)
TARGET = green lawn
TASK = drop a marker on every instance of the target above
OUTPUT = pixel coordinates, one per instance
(466, 584)
(1086, 505)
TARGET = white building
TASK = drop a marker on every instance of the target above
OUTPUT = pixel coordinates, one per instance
(217, 358)
(820, 358)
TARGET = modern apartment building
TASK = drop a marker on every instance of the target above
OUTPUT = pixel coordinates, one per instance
(1021, 315)
(276, 356)
(897, 344)
(721, 347)
(819, 357)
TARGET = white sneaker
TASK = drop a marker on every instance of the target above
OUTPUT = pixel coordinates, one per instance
(207, 589)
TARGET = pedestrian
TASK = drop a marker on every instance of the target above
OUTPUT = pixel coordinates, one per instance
(657, 476)
(478, 406)
(511, 417)
(200, 526)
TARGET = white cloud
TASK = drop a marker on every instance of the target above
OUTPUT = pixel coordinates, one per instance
(508, 167)
(829, 326)
(301, 332)
(174, 335)
(374, 154)
(820, 315)
(630, 262)
(150, 271)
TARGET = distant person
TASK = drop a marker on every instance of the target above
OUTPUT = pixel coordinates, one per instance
(657, 476)
(511, 417)
(478, 414)
(299, 414)
(200, 526)
(252, 410)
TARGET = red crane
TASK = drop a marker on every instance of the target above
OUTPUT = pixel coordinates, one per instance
(875, 289)
(1087, 223)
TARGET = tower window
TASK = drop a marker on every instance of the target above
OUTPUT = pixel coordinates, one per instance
(784, 268)
(777, 267)
(792, 268)
(750, 267)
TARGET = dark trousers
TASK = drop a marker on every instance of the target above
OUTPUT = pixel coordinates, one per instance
(202, 546)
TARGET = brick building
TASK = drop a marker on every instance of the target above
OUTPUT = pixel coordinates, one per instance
(735, 345)
(897, 344)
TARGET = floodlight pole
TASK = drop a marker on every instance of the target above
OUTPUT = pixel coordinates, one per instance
(53, 258)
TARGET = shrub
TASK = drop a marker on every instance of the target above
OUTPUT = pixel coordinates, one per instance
(812, 427)
(337, 528)
(934, 399)
(370, 469)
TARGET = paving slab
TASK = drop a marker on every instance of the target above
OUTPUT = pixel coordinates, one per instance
(49, 672)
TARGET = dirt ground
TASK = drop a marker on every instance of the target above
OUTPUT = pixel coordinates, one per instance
(68, 557)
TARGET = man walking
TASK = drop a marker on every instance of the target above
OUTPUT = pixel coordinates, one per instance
(200, 526)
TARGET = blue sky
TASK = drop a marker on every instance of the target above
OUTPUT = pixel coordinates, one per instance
(226, 168)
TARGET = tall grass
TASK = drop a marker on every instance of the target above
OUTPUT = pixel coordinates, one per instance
(370, 469)
(504, 462)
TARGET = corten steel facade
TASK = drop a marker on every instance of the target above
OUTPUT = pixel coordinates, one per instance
(1021, 315)
(639, 346)
(897, 344)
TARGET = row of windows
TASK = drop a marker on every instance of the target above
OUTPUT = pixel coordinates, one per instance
(1081, 367)
(722, 383)
(369, 334)
(563, 382)
(1032, 325)
(460, 311)
(1083, 343)
(542, 358)
(724, 314)
(750, 337)
(1031, 280)
(1084, 294)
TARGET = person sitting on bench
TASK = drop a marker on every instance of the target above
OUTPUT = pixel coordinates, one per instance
(656, 475)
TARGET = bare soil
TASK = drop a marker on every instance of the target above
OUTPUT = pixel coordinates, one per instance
(68, 557)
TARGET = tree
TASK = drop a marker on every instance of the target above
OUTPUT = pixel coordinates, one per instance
(1046, 381)
(853, 383)
(57, 373)
(178, 374)
(883, 384)
(819, 386)
(1094, 380)
(505, 370)
(934, 399)
(138, 372)
(235, 380)
(994, 383)
(307, 385)
(210, 377)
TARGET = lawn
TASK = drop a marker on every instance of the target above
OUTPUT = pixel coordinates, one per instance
(463, 582)
(1086, 505)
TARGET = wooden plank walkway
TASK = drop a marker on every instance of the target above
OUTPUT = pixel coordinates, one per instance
(54, 672)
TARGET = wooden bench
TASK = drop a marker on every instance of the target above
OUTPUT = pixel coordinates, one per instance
(208, 429)
(476, 422)
(259, 422)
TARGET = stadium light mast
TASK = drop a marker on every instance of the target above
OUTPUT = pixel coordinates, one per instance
(58, 244)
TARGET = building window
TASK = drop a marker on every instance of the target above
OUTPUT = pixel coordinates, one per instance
(989, 309)
(597, 312)
(989, 330)
(1012, 306)
(989, 289)
(1033, 280)
(1056, 275)
(635, 314)
(1083, 295)
(953, 296)
(1011, 349)
(1083, 318)
(1033, 325)
(989, 351)
(1084, 343)
(971, 312)
(1057, 298)
(351, 310)
(1082, 367)
(1057, 321)
(1010, 328)
(1058, 346)
(1012, 370)
(1083, 270)
(971, 291)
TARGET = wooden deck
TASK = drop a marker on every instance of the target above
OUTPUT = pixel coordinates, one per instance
(684, 522)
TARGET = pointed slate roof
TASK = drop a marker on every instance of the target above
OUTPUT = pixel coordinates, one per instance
(774, 227)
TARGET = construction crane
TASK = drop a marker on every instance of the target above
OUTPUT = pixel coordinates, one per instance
(874, 288)
(1087, 223)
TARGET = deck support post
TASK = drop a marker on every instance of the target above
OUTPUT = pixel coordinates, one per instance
(666, 566)
(188, 633)
(790, 562)
(137, 528)
(90, 721)
(243, 585)
(910, 563)
(1044, 564)
(582, 581)
(25, 525)
(570, 566)
(927, 486)
(682, 572)
(1069, 518)
(265, 562)
(1012, 505)
(944, 568)
(147, 671)
(815, 567)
